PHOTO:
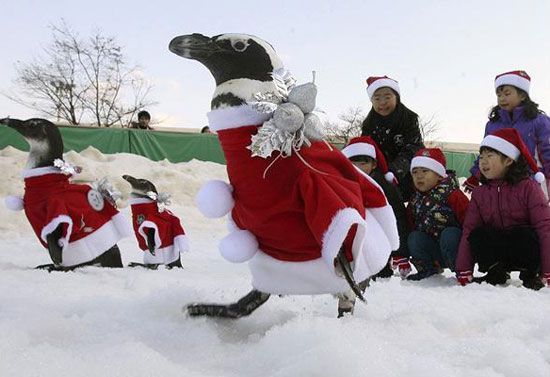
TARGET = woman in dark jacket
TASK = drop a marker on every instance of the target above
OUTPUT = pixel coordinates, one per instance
(394, 128)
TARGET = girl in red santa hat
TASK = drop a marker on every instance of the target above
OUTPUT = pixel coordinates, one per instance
(364, 153)
(507, 225)
(394, 128)
(515, 109)
(437, 212)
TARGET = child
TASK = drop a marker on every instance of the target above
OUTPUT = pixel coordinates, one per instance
(364, 153)
(507, 225)
(516, 110)
(437, 211)
(394, 128)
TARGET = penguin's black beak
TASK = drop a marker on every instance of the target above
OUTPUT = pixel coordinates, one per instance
(16, 124)
(131, 180)
(193, 46)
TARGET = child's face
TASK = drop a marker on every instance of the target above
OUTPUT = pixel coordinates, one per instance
(425, 179)
(384, 101)
(493, 165)
(367, 167)
(509, 97)
(144, 121)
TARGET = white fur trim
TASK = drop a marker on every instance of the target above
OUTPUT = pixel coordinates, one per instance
(151, 225)
(36, 172)
(235, 117)
(133, 201)
(215, 199)
(96, 243)
(312, 277)
(539, 177)
(501, 145)
(14, 203)
(390, 177)
(386, 218)
(52, 225)
(375, 252)
(515, 80)
(239, 246)
(428, 163)
(381, 83)
(337, 231)
(181, 243)
(359, 149)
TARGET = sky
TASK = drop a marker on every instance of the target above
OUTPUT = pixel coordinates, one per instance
(445, 54)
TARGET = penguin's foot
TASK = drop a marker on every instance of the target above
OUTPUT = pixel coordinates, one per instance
(244, 307)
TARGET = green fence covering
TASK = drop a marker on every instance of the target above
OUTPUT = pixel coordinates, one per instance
(174, 146)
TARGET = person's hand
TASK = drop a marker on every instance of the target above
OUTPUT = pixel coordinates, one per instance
(471, 183)
(464, 277)
(546, 279)
(402, 265)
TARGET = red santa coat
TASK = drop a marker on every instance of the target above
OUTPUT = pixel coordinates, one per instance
(170, 238)
(90, 224)
(301, 215)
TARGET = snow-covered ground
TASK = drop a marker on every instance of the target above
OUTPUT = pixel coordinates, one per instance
(129, 322)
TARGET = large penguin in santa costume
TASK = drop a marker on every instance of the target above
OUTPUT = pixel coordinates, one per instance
(76, 223)
(303, 217)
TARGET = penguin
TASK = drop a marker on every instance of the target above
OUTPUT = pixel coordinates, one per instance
(158, 231)
(313, 224)
(73, 222)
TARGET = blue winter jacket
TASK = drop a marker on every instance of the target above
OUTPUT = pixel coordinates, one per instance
(534, 132)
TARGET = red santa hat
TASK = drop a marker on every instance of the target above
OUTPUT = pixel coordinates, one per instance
(430, 158)
(377, 82)
(508, 142)
(519, 79)
(366, 146)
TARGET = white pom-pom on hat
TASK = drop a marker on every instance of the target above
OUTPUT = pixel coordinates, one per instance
(390, 177)
(239, 246)
(215, 199)
(14, 203)
(539, 177)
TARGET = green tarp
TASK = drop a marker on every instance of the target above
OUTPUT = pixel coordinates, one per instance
(174, 146)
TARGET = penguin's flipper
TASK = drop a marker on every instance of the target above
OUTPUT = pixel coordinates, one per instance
(151, 240)
(53, 245)
(245, 306)
(345, 268)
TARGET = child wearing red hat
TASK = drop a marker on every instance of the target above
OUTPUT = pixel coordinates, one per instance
(364, 153)
(507, 225)
(394, 128)
(515, 109)
(437, 211)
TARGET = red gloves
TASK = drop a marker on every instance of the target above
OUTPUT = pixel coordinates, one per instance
(464, 277)
(401, 264)
(471, 183)
(545, 277)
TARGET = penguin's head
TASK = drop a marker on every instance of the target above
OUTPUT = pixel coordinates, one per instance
(43, 137)
(140, 186)
(242, 64)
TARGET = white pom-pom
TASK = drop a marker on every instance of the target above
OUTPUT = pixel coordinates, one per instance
(389, 176)
(539, 177)
(215, 199)
(14, 203)
(239, 246)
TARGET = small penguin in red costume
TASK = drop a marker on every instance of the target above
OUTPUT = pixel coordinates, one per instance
(158, 231)
(306, 220)
(78, 224)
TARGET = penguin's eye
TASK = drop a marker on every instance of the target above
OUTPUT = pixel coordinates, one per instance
(239, 46)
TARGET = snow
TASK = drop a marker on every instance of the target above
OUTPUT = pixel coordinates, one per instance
(129, 322)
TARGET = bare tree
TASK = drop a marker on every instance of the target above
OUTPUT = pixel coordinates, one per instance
(428, 128)
(347, 126)
(82, 80)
